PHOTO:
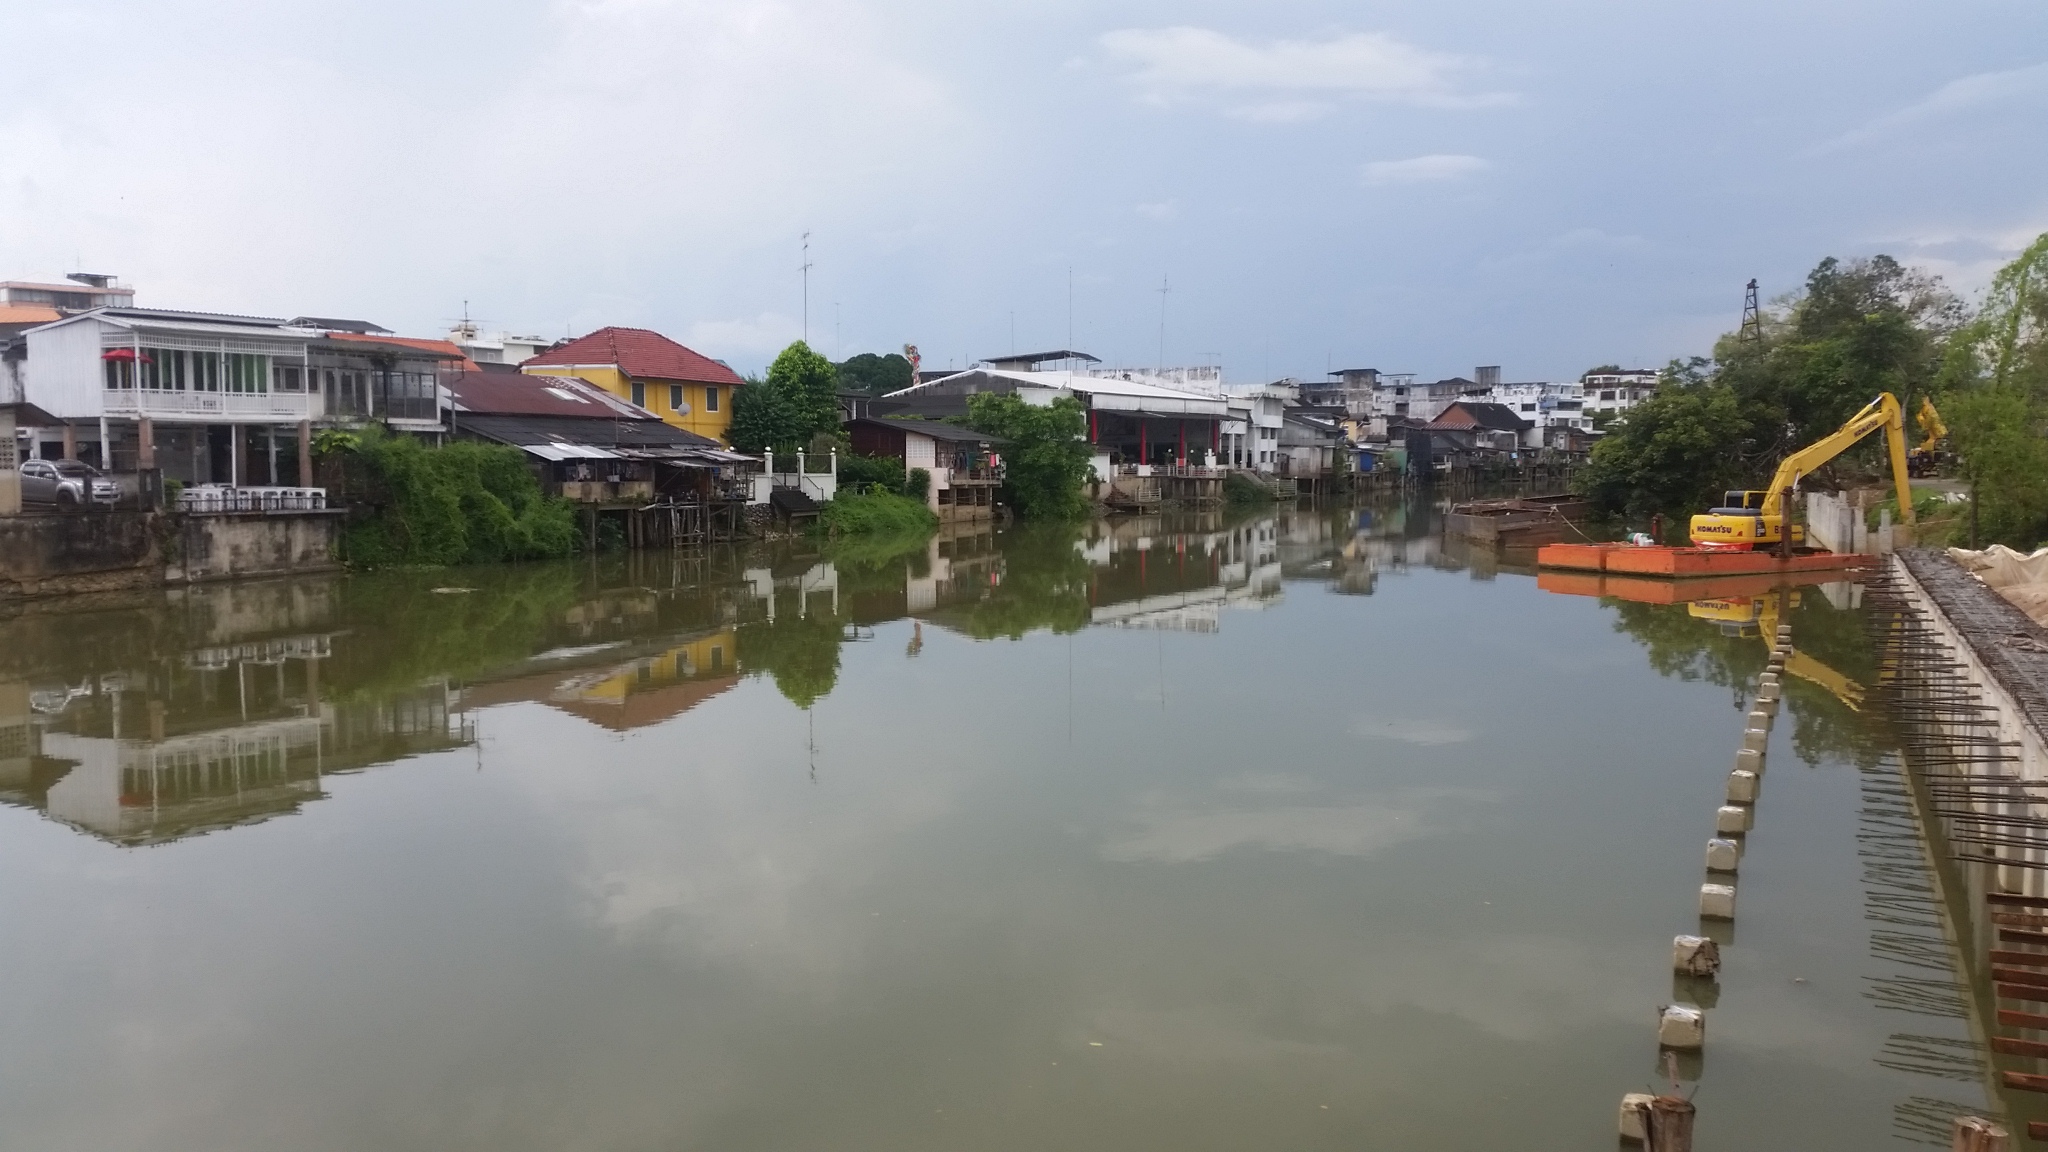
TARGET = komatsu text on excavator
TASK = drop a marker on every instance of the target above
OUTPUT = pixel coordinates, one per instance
(1753, 519)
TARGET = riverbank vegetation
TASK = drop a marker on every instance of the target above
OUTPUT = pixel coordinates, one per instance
(1853, 330)
(792, 408)
(1046, 457)
(461, 503)
(875, 511)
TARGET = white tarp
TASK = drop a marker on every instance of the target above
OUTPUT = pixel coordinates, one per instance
(2020, 577)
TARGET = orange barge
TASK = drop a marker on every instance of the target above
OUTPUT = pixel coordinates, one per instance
(1690, 563)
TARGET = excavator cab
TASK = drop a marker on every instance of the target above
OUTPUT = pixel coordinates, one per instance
(1735, 503)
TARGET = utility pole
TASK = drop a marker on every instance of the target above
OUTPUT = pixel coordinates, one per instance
(805, 268)
(1070, 306)
(1163, 290)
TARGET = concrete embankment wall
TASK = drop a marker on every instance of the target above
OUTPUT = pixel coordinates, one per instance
(75, 553)
(2002, 651)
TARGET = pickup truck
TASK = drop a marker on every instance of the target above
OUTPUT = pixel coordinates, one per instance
(66, 484)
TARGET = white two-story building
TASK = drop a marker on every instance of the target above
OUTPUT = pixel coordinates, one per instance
(209, 398)
(1616, 392)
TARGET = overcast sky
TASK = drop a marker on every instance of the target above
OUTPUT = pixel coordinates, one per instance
(1413, 186)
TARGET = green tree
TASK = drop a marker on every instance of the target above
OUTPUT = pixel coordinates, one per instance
(762, 419)
(1854, 330)
(1672, 453)
(874, 374)
(809, 384)
(1045, 459)
(1996, 403)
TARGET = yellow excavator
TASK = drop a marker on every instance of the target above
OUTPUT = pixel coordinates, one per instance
(1924, 459)
(1753, 519)
(1761, 612)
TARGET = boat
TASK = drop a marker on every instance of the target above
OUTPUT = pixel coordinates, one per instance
(1526, 521)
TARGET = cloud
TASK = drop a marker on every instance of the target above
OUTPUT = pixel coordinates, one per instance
(767, 332)
(1162, 210)
(1174, 65)
(1422, 169)
(1982, 90)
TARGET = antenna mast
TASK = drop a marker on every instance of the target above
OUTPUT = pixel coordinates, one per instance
(1163, 290)
(805, 268)
(1752, 330)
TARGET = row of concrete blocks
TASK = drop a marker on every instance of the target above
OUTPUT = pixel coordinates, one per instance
(1683, 1027)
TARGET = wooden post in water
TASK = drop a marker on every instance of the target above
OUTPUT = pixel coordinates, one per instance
(1976, 1134)
(1670, 1127)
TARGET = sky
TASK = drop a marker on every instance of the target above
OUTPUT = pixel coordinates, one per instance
(1415, 187)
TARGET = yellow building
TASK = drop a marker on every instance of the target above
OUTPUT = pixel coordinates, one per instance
(688, 390)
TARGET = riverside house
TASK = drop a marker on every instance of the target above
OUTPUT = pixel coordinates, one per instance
(683, 388)
(211, 398)
(963, 475)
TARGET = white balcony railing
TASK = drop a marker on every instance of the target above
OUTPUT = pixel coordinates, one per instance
(220, 407)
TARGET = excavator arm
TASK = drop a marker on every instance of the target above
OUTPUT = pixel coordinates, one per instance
(1882, 412)
(1930, 423)
(1808, 668)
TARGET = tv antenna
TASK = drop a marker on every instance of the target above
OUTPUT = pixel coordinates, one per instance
(805, 268)
(1163, 290)
(1752, 329)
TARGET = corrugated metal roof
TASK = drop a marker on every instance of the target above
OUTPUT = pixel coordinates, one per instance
(560, 452)
(1106, 393)
(600, 432)
(525, 394)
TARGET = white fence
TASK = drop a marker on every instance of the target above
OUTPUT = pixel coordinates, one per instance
(214, 499)
(819, 486)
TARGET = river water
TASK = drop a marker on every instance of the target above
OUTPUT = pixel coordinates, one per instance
(1297, 831)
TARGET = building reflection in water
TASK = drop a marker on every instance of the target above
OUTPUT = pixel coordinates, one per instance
(230, 705)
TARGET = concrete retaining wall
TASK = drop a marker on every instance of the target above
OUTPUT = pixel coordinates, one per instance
(72, 553)
(235, 545)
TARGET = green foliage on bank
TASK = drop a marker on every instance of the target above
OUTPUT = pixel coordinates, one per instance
(1243, 491)
(1854, 330)
(462, 503)
(1045, 459)
(875, 512)
(861, 473)
(1997, 405)
(795, 404)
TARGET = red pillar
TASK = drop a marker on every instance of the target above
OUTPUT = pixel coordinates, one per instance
(1141, 441)
(1093, 428)
(1183, 443)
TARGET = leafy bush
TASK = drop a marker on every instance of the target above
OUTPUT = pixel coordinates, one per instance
(1242, 490)
(875, 512)
(917, 484)
(463, 503)
(864, 472)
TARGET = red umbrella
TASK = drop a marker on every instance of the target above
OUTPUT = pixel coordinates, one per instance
(124, 354)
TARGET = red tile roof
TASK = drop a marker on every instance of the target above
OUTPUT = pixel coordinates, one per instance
(519, 394)
(638, 352)
(447, 350)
